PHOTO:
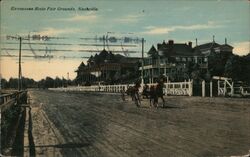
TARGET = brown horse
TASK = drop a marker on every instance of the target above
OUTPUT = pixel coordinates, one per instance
(133, 91)
(155, 93)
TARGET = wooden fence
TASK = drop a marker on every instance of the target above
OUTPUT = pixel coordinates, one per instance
(11, 115)
(170, 88)
(14, 96)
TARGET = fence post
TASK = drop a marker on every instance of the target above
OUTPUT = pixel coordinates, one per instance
(211, 89)
(190, 87)
(218, 84)
(232, 89)
(225, 88)
(203, 88)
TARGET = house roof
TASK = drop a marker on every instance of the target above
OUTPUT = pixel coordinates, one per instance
(82, 64)
(175, 49)
(226, 45)
(152, 51)
(80, 67)
(108, 57)
(207, 46)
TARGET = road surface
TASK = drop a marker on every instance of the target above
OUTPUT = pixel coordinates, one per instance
(102, 125)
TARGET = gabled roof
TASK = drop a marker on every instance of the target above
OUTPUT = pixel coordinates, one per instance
(90, 59)
(210, 46)
(207, 46)
(175, 49)
(80, 67)
(107, 57)
(182, 49)
(226, 45)
(152, 51)
(162, 46)
(103, 53)
(82, 64)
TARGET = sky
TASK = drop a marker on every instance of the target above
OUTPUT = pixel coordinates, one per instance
(155, 21)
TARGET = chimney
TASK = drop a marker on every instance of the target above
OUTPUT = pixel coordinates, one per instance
(213, 39)
(225, 41)
(190, 44)
(171, 42)
(196, 42)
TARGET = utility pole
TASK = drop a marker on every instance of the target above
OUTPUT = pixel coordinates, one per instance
(142, 63)
(19, 62)
(20, 68)
(158, 64)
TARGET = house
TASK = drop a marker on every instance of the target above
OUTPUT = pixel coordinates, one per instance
(176, 60)
(213, 47)
(107, 68)
(171, 60)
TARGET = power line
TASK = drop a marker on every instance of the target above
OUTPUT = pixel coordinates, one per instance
(64, 50)
(66, 44)
(10, 43)
(39, 56)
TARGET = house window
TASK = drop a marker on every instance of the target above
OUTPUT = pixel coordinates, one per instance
(200, 60)
(161, 71)
(162, 61)
(189, 59)
(184, 59)
(177, 59)
(217, 49)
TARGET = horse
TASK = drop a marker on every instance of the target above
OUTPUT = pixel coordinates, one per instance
(155, 93)
(145, 91)
(133, 91)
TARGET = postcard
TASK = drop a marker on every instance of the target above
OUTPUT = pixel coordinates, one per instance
(124, 78)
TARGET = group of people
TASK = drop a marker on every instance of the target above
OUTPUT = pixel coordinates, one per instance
(153, 93)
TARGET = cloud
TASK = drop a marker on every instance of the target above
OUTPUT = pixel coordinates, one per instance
(129, 18)
(242, 48)
(76, 18)
(55, 31)
(152, 30)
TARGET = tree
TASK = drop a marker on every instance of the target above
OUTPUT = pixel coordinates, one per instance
(216, 64)
(13, 83)
(4, 83)
(233, 67)
(238, 68)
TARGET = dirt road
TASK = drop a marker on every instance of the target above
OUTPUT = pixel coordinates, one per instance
(81, 124)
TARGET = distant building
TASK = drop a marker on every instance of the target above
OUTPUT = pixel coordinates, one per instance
(107, 68)
(213, 47)
(174, 60)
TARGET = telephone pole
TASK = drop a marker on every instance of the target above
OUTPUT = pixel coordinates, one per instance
(142, 63)
(19, 64)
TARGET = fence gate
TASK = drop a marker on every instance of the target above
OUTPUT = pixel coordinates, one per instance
(179, 88)
(224, 86)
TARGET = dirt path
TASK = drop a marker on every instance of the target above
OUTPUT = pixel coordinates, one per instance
(81, 124)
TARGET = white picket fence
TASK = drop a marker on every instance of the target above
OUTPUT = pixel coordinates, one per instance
(179, 88)
(170, 88)
(95, 88)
